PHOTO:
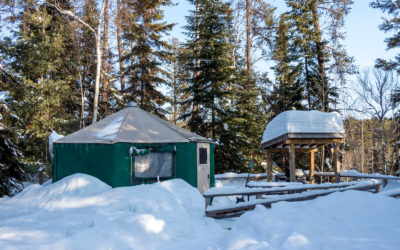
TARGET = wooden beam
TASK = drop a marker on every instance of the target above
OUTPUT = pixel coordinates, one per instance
(269, 166)
(336, 162)
(292, 163)
(313, 141)
(286, 150)
(312, 180)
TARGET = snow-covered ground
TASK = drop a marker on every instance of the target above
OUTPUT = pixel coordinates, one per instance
(81, 212)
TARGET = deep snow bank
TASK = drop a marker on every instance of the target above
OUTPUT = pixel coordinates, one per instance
(343, 220)
(81, 212)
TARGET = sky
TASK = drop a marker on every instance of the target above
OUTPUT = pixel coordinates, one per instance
(364, 41)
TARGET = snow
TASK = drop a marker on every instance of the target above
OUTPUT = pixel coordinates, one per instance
(355, 173)
(295, 121)
(345, 220)
(110, 131)
(244, 175)
(220, 205)
(391, 192)
(52, 138)
(272, 184)
(81, 212)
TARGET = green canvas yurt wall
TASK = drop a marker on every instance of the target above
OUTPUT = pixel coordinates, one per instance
(111, 162)
(103, 149)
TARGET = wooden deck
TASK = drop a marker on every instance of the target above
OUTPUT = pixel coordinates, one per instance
(298, 194)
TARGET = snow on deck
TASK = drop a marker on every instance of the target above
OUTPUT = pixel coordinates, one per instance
(295, 121)
(228, 190)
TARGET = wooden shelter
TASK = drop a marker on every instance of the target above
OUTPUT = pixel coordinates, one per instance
(303, 131)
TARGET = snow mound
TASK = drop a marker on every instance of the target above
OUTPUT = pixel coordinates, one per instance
(295, 121)
(81, 212)
(64, 193)
(342, 220)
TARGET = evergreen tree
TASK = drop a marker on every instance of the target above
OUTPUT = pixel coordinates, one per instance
(391, 25)
(287, 93)
(178, 81)
(11, 165)
(392, 8)
(310, 47)
(209, 44)
(45, 97)
(147, 53)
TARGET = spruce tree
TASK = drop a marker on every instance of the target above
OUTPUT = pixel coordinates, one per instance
(178, 80)
(11, 159)
(287, 93)
(148, 52)
(209, 44)
(392, 8)
(45, 97)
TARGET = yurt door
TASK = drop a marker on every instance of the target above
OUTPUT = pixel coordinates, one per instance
(203, 167)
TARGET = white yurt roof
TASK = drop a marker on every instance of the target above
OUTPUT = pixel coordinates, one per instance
(304, 122)
(132, 125)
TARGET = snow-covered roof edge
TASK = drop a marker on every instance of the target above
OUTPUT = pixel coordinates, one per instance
(303, 122)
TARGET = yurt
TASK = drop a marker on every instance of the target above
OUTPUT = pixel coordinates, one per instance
(132, 147)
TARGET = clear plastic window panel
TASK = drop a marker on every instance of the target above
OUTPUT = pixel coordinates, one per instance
(153, 164)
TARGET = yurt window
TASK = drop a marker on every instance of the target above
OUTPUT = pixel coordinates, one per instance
(153, 164)
(203, 155)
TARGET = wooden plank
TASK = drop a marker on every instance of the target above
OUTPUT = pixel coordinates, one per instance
(292, 163)
(269, 166)
(324, 173)
(367, 176)
(316, 135)
(282, 190)
(281, 138)
(312, 180)
(286, 150)
(314, 141)
(276, 141)
(361, 176)
(218, 213)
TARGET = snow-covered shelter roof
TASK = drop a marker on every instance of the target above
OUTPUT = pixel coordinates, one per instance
(303, 125)
(132, 125)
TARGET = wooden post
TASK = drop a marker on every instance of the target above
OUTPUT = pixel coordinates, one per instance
(337, 163)
(207, 201)
(312, 180)
(292, 166)
(269, 166)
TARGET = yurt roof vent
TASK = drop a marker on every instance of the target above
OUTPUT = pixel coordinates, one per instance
(132, 105)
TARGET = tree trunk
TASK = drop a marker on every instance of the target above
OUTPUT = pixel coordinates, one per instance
(196, 104)
(248, 37)
(97, 82)
(83, 95)
(320, 57)
(175, 105)
(104, 59)
(120, 49)
(383, 158)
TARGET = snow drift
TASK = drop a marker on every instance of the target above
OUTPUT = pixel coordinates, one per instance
(81, 212)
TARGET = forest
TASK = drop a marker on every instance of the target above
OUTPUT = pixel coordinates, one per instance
(65, 64)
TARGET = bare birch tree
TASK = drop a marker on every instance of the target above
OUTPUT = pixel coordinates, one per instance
(97, 34)
(375, 90)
